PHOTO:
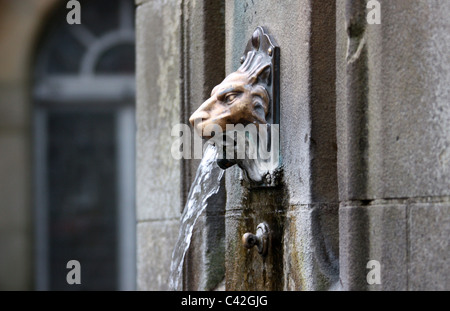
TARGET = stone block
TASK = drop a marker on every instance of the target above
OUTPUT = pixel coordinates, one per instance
(155, 242)
(158, 97)
(373, 232)
(393, 112)
(311, 248)
(429, 231)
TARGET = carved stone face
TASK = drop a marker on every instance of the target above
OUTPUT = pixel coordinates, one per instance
(240, 99)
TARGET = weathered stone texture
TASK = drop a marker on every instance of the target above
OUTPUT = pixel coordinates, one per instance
(155, 242)
(428, 249)
(158, 173)
(393, 95)
(375, 232)
(393, 120)
(158, 89)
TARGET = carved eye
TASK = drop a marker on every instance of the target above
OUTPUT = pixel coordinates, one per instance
(229, 98)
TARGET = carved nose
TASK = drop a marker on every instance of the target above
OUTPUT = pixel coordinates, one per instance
(202, 113)
(198, 116)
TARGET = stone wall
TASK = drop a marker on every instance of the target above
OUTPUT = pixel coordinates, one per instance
(393, 125)
(158, 109)
(364, 138)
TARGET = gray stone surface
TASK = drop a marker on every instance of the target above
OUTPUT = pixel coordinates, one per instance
(409, 239)
(155, 241)
(158, 98)
(311, 247)
(393, 121)
(429, 231)
(393, 97)
(388, 244)
(158, 110)
(373, 232)
(353, 243)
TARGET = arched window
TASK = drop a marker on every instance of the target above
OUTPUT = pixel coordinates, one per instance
(84, 93)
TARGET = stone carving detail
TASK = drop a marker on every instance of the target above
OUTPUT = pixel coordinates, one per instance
(247, 99)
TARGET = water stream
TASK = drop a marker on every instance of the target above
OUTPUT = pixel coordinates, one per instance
(205, 185)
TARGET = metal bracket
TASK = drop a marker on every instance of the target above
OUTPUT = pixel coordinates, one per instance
(265, 46)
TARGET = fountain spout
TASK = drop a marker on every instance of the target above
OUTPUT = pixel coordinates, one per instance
(247, 101)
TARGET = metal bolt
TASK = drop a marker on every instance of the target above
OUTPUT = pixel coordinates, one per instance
(256, 38)
(249, 240)
(270, 51)
(260, 239)
(242, 59)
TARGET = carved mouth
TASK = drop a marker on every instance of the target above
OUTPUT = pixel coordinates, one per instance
(207, 130)
(222, 144)
(225, 164)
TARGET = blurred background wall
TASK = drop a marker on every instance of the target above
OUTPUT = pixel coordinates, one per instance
(20, 22)
(66, 144)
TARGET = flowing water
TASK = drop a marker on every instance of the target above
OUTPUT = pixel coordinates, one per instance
(205, 185)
